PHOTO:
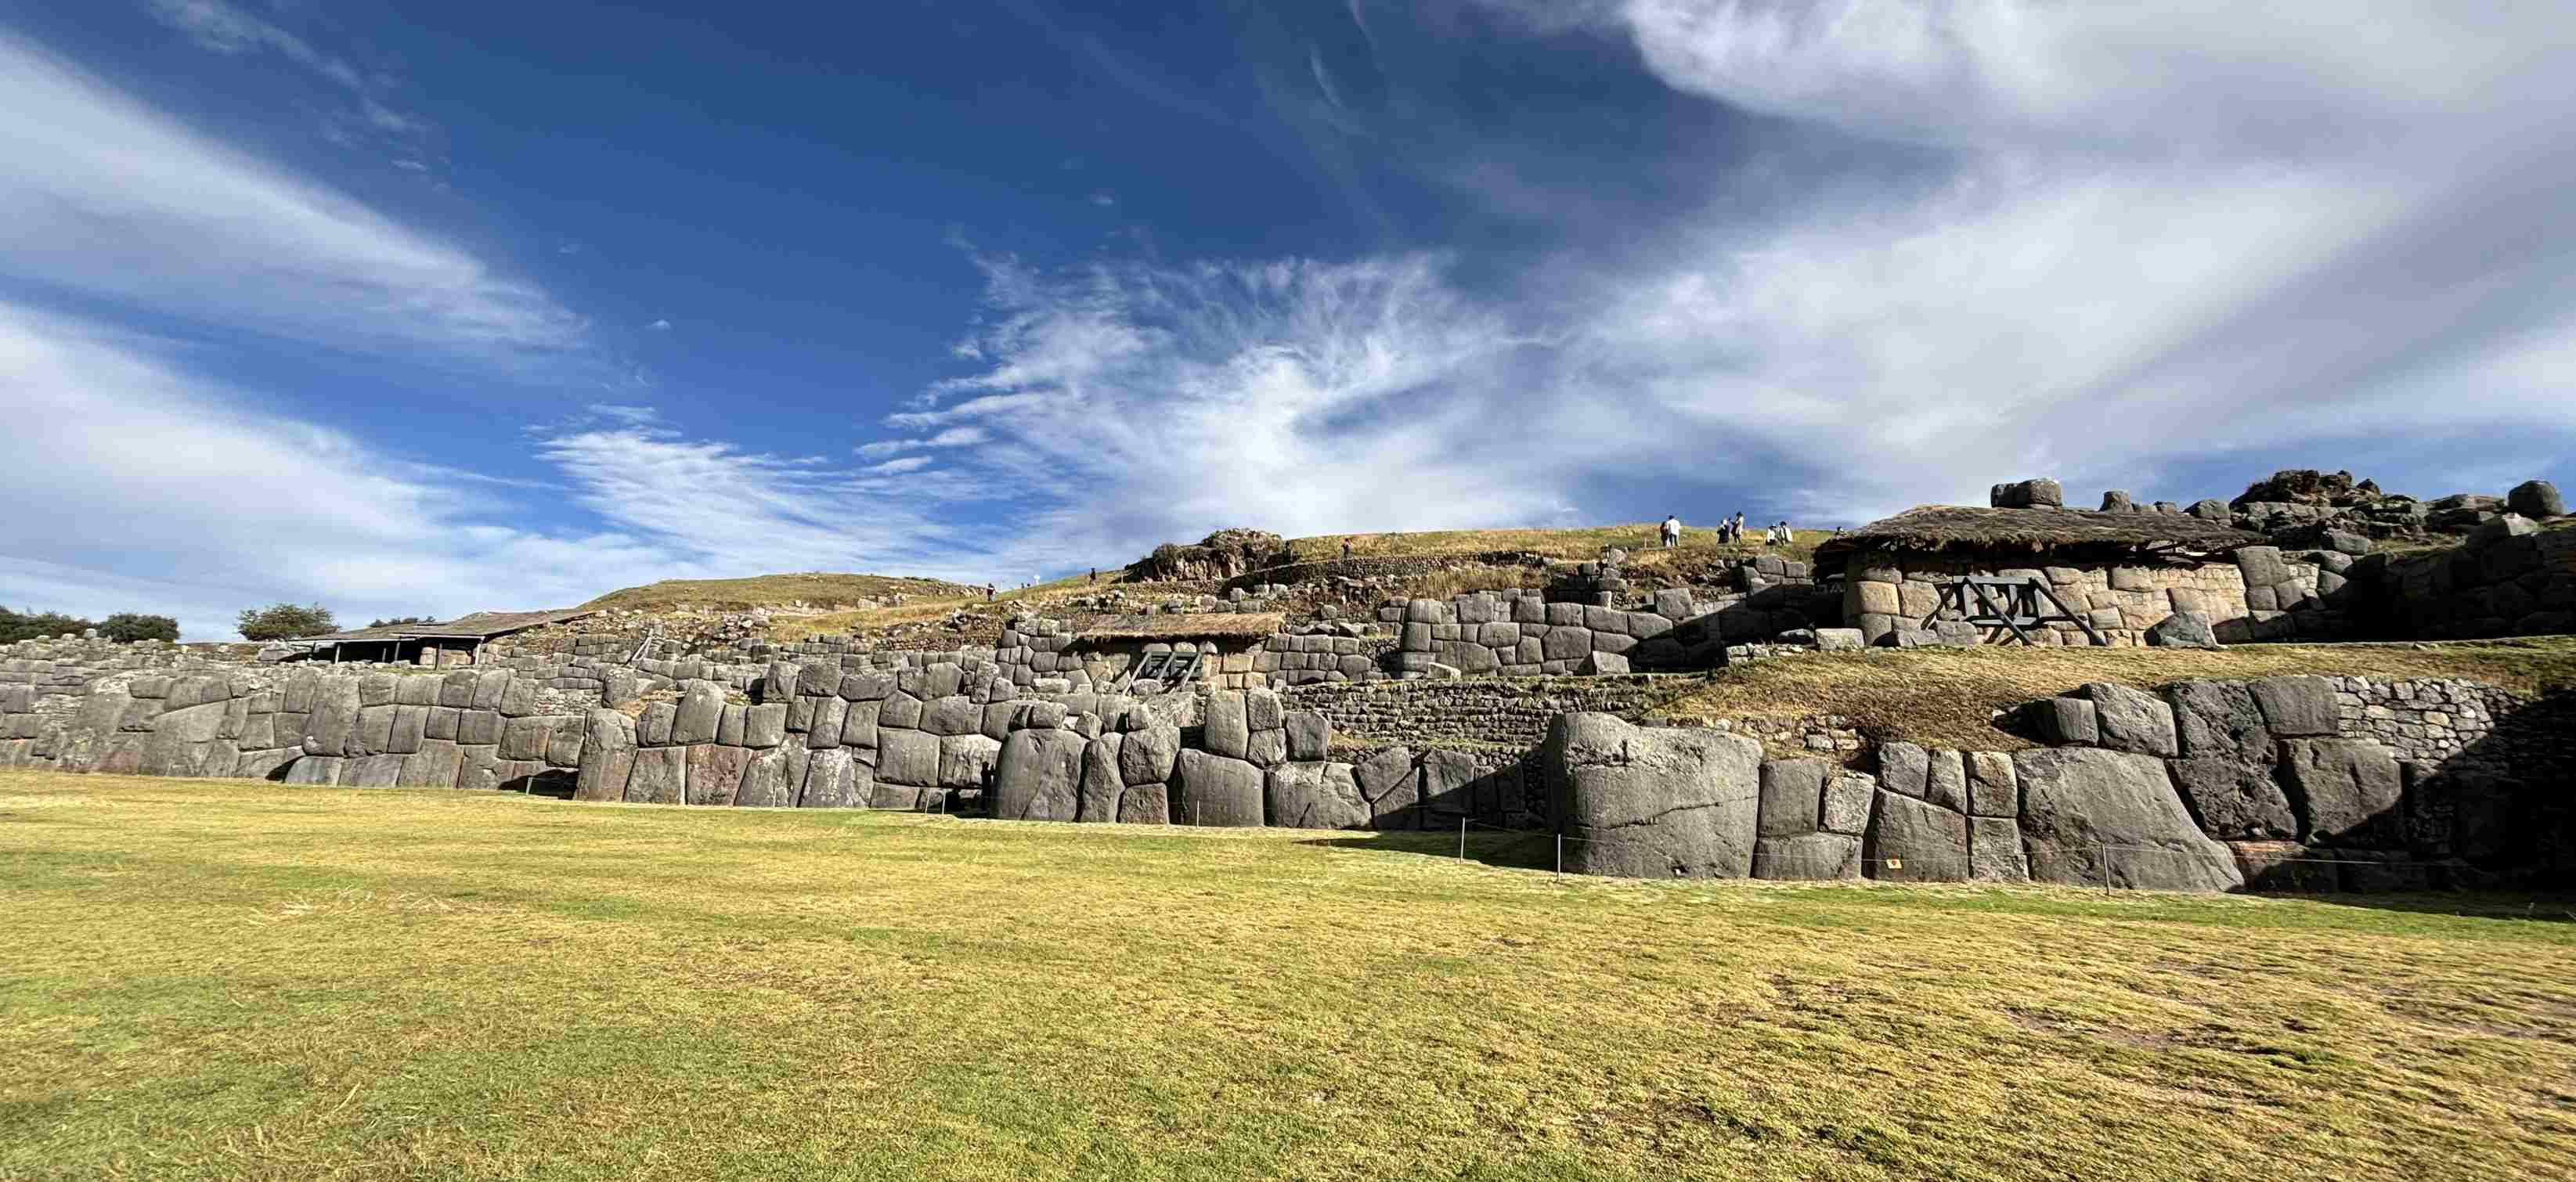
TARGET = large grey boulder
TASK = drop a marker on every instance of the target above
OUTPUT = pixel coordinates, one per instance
(701, 708)
(1147, 756)
(2090, 816)
(1792, 792)
(1310, 736)
(607, 757)
(764, 780)
(661, 776)
(1904, 767)
(1945, 783)
(1916, 841)
(715, 772)
(1448, 782)
(2536, 499)
(1662, 802)
(2235, 800)
(965, 761)
(2219, 720)
(1995, 851)
(1392, 786)
(1039, 777)
(1847, 804)
(908, 757)
(1102, 782)
(1315, 795)
(2296, 706)
(1215, 790)
(2345, 790)
(1227, 730)
(433, 766)
(2127, 719)
(1993, 789)
(2183, 630)
(764, 726)
(1807, 857)
(1145, 804)
(830, 780)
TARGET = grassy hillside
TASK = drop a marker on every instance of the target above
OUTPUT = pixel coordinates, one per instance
(213, 979)
(819, 588)
(1947, 697)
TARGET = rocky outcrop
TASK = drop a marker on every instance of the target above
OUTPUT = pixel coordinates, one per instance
(1218, 556)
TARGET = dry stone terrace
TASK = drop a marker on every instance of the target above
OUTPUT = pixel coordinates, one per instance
(1522, 709)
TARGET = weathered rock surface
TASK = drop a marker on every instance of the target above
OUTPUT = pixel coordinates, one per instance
(1807, 857)
(2131, 720)
(2091, 816)
(1663, 802)
(1215, 790)
(1916, 841)
(1315, 795)
(1039, 777)
(2345, 790)
(607, 757)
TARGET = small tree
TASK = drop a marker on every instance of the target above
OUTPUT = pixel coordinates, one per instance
(286, 621)
(128, 627)
(33, 625)
(401, 620)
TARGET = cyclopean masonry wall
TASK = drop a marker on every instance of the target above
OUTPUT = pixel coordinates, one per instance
(2512, 577)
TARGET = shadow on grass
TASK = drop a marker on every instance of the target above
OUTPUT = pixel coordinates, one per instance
(1511, 850)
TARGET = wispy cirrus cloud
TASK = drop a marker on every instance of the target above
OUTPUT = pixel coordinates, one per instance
(370, 116)
(134, 207)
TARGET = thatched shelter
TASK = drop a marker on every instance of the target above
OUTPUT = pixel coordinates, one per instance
(2125, 572)
(450, 643)
(2060, 535)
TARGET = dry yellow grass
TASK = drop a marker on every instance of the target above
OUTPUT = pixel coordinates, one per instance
(234, 980)
(1638, 539)
(1947, 697)
(814, 587)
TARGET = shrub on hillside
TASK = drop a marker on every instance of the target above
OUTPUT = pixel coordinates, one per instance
(33, 625)
(128, 627)
(286, 621)
(401, 620)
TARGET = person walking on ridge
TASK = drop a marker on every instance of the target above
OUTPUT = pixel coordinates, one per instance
(1672, 530)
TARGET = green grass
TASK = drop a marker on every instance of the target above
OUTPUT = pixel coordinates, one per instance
(1947, 697)
(228, 980)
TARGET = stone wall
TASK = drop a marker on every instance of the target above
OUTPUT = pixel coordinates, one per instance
(1484, 712)
(2258, 594)
(467, 728)
(2287, 783)
(2510, 578)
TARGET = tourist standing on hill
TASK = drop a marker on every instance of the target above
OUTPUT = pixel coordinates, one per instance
(1672, 530)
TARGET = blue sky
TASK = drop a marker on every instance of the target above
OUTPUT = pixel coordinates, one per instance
(415, 308)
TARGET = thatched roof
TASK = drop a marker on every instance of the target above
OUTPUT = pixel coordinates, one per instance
(478, 626)
(2036, 531)
(1195, 626)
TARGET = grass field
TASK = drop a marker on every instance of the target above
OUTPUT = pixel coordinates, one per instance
(1947, 697)
(211, 979)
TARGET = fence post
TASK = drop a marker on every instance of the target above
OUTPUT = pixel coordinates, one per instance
(2106, 866)
(1560, 855)
(1462, 839)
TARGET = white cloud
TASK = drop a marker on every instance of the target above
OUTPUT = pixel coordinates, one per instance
(2165, 235)
(1104, 199)
(904, 464)
(118, 452)
(133, 207)
(660, 326)
(636, 415)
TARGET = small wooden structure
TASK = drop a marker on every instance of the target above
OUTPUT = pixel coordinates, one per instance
(2007, 603)
(430, 643)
